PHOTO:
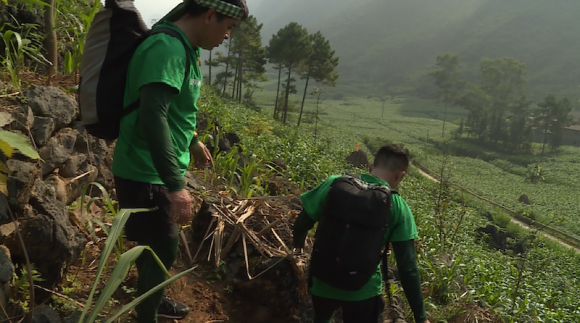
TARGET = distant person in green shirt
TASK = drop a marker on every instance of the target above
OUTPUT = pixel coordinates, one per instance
(366, 305)
(157, 140)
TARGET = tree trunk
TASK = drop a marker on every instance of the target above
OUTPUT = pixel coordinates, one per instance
(241, 76)
(50, 41)
(276, 110)
(227, 68)
(285, 112)
(545, 138)
(303, 99)
(444, 119)
(235, 84)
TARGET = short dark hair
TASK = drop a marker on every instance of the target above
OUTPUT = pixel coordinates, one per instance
(195, 9)
(394, 157)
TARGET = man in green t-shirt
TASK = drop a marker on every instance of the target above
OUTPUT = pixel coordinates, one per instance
(157, 140)
(366, 305)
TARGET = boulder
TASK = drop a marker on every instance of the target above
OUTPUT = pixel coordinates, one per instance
(23, 120)
(48, 101)
(22, 177)
(358, 159)
(42, 129)
(58, 150)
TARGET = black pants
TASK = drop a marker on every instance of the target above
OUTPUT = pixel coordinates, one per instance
(366, 311)
(153, 229)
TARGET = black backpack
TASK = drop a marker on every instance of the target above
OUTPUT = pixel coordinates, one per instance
(351, 232)
(114, 35)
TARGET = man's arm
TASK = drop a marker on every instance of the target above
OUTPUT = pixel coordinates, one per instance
(155, 99)
(410, 280)
(302, 225)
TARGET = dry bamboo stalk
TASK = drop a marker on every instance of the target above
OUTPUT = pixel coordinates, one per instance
(265, 198)
(268, 227)
(249, 211)
(186, 244)
(218, 236)
(280, 240)
(240, 206)
(203, 240)
(233, 238)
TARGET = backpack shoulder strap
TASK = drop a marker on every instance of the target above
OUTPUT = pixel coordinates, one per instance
(173, 33)
(168, 31)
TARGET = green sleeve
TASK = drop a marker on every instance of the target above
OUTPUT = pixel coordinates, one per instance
(410, 280)
(302, 225)
(155, 101)
(401, 221)
(313, 201)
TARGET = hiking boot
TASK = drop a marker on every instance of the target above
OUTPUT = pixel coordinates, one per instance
(169, 309)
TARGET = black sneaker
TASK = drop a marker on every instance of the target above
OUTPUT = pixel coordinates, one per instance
(171, 309)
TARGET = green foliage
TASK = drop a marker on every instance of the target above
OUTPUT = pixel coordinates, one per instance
(8, 142)
(553, 116)
(290, 47)
(73, 21)
(246, 58)
(20, 42)
(320, 66)
(21, 294)
(122, 266)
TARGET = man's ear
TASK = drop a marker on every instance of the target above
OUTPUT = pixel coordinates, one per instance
(209, 15)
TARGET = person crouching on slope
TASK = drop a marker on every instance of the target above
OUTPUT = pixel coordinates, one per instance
(358, 216)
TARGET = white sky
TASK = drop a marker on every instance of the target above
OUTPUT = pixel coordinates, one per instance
(155, 9)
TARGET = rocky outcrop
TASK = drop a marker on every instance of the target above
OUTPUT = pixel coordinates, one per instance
(40, 190)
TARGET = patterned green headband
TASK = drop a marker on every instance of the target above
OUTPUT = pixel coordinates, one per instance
(224, 8)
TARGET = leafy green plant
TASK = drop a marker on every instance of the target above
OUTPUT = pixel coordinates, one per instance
(124, 263)
(74, 21)
(20, 41)
(21, 295)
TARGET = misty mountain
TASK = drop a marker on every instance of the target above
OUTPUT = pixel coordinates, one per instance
(391, 45)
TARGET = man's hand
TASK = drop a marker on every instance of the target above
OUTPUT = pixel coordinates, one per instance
(201, 155)
(181, 206)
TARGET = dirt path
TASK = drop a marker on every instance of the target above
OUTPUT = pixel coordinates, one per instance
(514, 220)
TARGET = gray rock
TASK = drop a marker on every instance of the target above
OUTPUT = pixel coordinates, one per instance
(59, 186)
(6, 118)
(6, 266)
(58, 150)
(52, 245)
(23, 120)
(42, 129)
(4, 212)
(75, 187)
(21, 180)
(71, 168)
(44, 314)
(101, 156)
(74, 317)
(48, 101)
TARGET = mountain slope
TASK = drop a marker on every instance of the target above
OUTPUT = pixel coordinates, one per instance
(392, 44)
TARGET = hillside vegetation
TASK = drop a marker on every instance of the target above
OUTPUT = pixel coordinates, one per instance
(393, 44)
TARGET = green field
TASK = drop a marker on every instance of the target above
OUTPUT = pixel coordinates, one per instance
(457, 269)
(417, 124)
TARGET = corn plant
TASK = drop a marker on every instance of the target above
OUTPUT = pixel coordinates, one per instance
(75, 19)
(20, 41)
(124, 263)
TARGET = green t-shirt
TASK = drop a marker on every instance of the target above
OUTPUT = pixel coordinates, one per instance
(401, 228)
(159, 59)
